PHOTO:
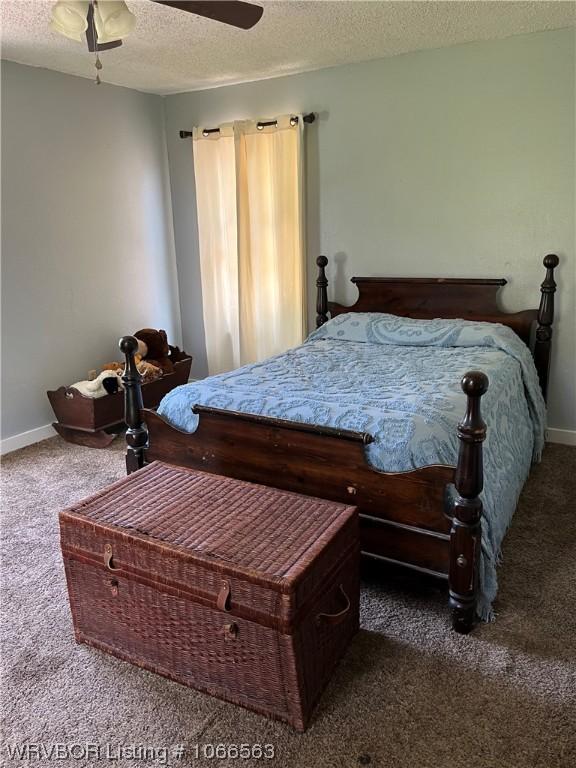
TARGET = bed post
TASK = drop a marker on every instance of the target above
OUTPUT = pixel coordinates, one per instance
(136, 434)
(543, 343)
(465, 535)
(321, 292)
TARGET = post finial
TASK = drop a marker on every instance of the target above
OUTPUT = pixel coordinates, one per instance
(128, 345)
(551, 261)
(474, 383)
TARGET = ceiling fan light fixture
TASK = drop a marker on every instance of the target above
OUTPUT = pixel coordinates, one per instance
(69, 18)
(113, 20)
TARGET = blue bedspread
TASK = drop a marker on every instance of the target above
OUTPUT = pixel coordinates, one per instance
(399, 380)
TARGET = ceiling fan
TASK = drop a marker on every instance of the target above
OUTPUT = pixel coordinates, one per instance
(106, 22)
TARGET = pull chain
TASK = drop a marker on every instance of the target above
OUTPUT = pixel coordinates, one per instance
(98, 66)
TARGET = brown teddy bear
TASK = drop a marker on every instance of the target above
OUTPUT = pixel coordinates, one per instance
(153, 346)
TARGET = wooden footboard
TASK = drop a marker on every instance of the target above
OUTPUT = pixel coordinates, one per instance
(406, 517)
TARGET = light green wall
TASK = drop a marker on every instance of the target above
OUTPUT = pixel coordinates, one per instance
(453, 162)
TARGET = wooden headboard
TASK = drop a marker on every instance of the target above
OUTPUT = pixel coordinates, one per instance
(471, 299)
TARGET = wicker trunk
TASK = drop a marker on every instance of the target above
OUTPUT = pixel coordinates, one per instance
(242, 591)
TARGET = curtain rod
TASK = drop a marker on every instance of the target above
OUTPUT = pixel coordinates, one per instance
(309, 118)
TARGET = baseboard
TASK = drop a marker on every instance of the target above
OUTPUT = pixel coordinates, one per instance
(561, 436)
(15, 442)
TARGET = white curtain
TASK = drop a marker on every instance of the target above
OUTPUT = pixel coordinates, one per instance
(250, 221)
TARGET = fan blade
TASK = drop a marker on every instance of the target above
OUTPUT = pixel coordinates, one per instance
(233, 12)
(91, 35)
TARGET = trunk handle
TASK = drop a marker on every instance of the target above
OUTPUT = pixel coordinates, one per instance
(108, 558)
(223, 599)
(335, 618)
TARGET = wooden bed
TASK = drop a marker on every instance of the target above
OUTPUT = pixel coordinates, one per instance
(406, 517)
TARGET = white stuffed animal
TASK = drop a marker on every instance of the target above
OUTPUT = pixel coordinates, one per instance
(107, 383)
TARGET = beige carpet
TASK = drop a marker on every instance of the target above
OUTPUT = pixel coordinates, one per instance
(410, 692)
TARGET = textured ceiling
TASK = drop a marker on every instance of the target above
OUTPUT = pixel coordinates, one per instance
(171, 51)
